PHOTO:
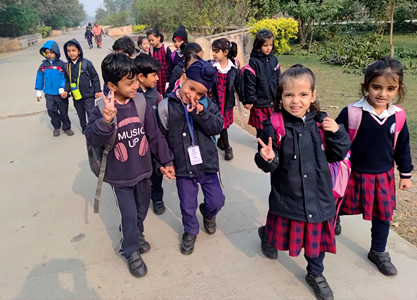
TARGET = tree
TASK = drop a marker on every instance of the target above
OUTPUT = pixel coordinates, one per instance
(115, 6)
(261, 9)
(17, 19)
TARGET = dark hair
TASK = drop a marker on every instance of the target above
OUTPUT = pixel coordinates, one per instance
(155, 32)
(87, 28)
(260, 38)
(117, 66)
(190, 59)
(146, 64)
(224, 44)
(296, 71)
(387, 67)
(191, 48)
(125, 44)
(71, 44)
(140, 40)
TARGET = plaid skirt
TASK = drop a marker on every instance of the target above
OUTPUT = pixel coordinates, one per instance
(372, 195)
(285, 234)
(258, 115)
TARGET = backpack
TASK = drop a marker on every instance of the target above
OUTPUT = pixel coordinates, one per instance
(248, 67)
(97, 156)
(84, 65)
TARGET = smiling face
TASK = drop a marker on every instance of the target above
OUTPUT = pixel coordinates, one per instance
(267, 46)
(192, 90)
(50, 54)
(145, 45)
(149, 81)
(73, 52)
(154, 41)
(297, 96)
(382, 90)
(125, 88)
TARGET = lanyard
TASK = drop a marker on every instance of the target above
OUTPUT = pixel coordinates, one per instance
(189, 123)
(79, 74)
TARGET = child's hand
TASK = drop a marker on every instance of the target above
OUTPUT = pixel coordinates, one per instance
(38, 98)
(329, 124)
(405, 184)
(109, 111)
(267, 152)
(64, 95)
(248, 106)
(195, 105)
(97, 95)
(168, 171)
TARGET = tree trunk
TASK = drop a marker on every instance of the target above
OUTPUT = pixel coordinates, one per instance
(311, 41)
(391, 31)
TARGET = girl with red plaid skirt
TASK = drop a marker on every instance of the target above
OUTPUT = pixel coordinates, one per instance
(301, 203)
(161, 53)
(228, 80)
(261, 77)
(371, 188)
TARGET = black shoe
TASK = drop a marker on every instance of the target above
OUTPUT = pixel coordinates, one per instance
(83, 130)
(221, 145)
(187, 244)
(158, 207)
(209, 224)
(228, 154)
(320, 286)
(56, 132)
(267, 249)
(338, 228)
(383, 262)
(136, 265)
(144, 246)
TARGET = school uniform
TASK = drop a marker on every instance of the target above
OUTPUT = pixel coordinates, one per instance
(175, 76)
(161, 55)
(173, 60)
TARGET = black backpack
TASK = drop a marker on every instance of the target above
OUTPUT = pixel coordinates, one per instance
(97, 156)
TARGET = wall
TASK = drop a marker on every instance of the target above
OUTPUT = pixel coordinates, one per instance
(118, 31)
(7, 44)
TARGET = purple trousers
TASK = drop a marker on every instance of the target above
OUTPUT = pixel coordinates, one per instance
(188, 192)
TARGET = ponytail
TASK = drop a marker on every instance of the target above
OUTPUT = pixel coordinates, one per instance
(224, 44)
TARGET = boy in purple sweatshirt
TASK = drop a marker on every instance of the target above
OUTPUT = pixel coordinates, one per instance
(129, 163)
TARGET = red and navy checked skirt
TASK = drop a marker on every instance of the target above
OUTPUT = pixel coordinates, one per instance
(221, 95)
(258, 115)
(372, 195)
(160, 55)
(285, 234)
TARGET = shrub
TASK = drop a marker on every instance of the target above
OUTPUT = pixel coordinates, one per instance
(283, 29)
(44, 30)
(17, 20)
(138, 28)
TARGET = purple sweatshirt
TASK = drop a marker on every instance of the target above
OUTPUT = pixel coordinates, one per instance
(130, 160)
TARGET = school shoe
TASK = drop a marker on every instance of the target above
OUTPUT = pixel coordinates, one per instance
(158, 207)
(144, 246)
(221, 145)
(267, 249)
(69, 132)
(383, 262)
(136, 265)
(209, 224)
(56, 132)
(228, 154)
(187, 244)
(338, 228)
(83, 130)
(320, 286)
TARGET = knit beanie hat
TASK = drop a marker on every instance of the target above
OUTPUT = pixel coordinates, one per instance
(180, 33)
(202, 72)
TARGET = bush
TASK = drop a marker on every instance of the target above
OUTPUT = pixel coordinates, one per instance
(283, 29)
(138, 28)
(44, 30)
(17, 20)
(118, 19)
(405, 52)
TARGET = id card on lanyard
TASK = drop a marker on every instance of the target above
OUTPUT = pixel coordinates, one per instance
(194, 150)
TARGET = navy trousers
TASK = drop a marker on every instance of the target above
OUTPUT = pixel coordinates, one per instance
(82, 107)
(58, 111)
(133, 204)
(315, 265)
(379, 234)
(156, 180)
(188, 193)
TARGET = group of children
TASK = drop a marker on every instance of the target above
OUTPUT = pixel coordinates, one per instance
(176, 137)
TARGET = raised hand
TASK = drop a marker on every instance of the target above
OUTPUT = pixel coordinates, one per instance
(267, 152)
(109, 111)
(168, 171)
(195, 105)
(329, 124)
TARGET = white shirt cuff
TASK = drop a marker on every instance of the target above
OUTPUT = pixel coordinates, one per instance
(38, 93)
(61, 90)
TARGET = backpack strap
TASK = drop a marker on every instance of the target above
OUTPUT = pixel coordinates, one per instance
(140, 104)
(163, 113)
(277, 122)
(354, 120)
(248, 67)
(399, 123)
(84, 66)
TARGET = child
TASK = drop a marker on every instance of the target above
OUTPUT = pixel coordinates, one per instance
(147, 69)
(124, 45)
(189, 125)
(51, 79)
(159, 51)
(261, 79)
(187, 50)
(228, 80)
(143, 44)
(129, 163)
(301, 203)
(89, 36)
(178, 38)
(372, 154)
(82, 81)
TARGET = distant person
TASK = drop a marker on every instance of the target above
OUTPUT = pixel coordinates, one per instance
(51, 80)
(380, 138)
(124, 45)
(89, 36)
(98, 34)
(143, 44)
(82, 81)
(90, 25)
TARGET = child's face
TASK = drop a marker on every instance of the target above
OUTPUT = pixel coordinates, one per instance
(149, 81)
(219, 55)
(192, 90)
(382, 91)
(297, 96)
(73, 52)
(50, 54)
(145, 45)
(125, 88)
(177, 43)
(155, 41)
(267, 46)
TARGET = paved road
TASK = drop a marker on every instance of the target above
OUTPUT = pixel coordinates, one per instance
(54, 247)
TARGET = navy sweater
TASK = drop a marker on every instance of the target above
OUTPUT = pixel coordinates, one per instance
(371, 150)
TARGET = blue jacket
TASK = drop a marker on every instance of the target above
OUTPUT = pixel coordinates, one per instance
(51, 74)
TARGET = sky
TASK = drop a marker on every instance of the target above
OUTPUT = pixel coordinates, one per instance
(90, 6)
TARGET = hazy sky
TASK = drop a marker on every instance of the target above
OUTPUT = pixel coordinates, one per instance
(90, 6)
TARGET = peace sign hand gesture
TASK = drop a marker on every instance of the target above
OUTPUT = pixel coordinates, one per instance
(267, 152)
(109, 111)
